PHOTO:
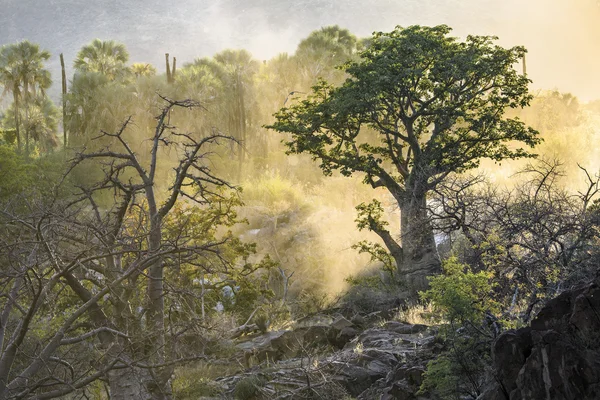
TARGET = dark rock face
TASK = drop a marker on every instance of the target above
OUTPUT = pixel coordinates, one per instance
(558, 357)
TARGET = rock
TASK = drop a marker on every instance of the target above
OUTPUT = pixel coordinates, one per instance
(510, 353)
(339, 339)
(341, 332)
(414, 376)
(341, 323)
(313, 336)
(402, 328)
(354, 379)
(399, 391)
(369, 364)
(558, 357)
(314, 320)
(280, 345)
(358, 320)
(586, 315)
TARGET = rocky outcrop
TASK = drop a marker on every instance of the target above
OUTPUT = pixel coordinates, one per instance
(380, 362)
(557, 357)
(304, 338)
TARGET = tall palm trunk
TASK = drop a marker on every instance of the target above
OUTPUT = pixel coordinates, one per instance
(17, 122)
(26, 128)
(168, 68)
(26, 99)
(241, 112)
(64, 98)
(174, 70)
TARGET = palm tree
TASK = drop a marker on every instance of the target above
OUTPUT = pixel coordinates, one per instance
(10, 79)
(41, 122)
(237, 69)
(142, 69)
(322, 50)
(22, 72)
(199, 81)
(105, 57)
(82, 100)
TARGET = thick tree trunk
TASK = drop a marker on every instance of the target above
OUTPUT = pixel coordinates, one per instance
(159, 385)
(420, 257)
(128, 384)
(136, 384)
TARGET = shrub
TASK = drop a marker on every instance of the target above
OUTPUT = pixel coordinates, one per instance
(462, 300)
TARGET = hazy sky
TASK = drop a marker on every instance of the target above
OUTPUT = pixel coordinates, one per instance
(563, 36)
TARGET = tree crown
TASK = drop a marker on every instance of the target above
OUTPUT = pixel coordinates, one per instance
(417, 102)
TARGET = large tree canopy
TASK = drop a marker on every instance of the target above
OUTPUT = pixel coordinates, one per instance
(419, 105)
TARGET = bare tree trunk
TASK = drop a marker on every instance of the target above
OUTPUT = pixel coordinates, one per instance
(64, 98)
(159, 384)
(130, 384)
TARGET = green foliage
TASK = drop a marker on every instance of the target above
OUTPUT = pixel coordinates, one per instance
(378, 254)
(16, 173)
(418, 106)
(458, 372)
(462, 299)
(435, 102)
(106, 57)
(142, 69)
(370, 216)
(322, 51)
(40, 119)
(460, 295)
(370, 282)
(22, 73)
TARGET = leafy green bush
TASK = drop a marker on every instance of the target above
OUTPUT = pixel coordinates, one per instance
(460, 295)
(461, 299)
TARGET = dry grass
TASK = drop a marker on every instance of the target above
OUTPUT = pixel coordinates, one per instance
(417, 314)
(197, 380)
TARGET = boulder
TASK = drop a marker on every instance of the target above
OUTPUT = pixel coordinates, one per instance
(341, 331)
(403, 328)
(557, 358)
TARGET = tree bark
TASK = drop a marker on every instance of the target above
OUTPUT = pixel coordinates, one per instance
(130, 384)
(420, 257)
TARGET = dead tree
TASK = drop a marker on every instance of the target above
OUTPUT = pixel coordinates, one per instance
(84, 283)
